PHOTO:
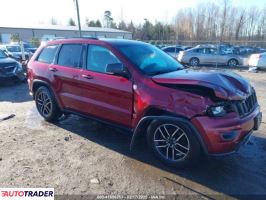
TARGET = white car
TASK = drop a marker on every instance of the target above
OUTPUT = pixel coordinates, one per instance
(257, 60)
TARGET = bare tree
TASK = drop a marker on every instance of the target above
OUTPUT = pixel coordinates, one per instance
(53, 21)
(241, 19)
(224, 16)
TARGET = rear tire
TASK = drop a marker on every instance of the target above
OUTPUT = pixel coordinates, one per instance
(46, 104)
(174, 143)
(194, 62)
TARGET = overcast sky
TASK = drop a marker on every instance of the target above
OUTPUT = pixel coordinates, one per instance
(32, 12)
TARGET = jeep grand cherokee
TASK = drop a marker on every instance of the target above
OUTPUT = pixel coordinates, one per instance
(135, 86)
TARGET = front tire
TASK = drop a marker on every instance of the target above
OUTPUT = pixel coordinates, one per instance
(173, 142)
(47, 105)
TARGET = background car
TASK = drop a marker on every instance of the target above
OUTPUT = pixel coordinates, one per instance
(187, 47)
(257, 60)
(14, 51)
(29, 47)
(208, 55)
(173, 50)
(10, 68)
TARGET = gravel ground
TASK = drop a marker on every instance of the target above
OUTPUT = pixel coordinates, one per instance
(81, 157)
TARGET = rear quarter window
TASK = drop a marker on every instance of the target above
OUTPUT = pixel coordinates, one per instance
(48, 53)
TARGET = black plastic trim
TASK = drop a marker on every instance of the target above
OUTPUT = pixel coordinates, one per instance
(137, 130)
(124, 128)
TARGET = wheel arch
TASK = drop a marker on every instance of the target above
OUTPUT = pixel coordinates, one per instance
(39, 83)
(154, 113)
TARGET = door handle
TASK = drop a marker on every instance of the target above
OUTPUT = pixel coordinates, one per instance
(53, 69)
(87, 76)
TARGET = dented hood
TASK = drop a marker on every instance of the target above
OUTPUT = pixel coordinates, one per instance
(225, 84)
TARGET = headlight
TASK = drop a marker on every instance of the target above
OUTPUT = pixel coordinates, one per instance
(216, 111)
(19, 67)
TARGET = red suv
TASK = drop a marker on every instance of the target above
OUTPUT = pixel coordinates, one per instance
(136, 86)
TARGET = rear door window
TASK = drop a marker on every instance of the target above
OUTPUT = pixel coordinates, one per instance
(70, 55)
(201, 50)
(48, 54)
(210, 51)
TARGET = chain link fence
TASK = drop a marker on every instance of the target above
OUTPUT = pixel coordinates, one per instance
(239, 43)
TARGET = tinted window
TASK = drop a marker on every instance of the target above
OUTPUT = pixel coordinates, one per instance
(48, 53)
(173, 50)
(13, 48)
(70, 55)
(201, 50)
(99, 57)
(170, 50)
(210, 51)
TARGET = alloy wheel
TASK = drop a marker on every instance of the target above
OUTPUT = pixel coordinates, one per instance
(44, 103)
(171, 142)
(232, 63)
(194, 62)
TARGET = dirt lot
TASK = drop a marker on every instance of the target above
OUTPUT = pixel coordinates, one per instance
(69, 155)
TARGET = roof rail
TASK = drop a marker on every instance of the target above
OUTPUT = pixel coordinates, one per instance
(92, 38)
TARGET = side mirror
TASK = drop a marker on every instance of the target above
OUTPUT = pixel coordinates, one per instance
(117, 69)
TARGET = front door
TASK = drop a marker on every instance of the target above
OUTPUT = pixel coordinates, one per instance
(105, 96)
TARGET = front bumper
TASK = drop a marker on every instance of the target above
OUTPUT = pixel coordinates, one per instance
(224, 135)
(19, 75)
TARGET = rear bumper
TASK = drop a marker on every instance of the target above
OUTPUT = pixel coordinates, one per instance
(223, 136)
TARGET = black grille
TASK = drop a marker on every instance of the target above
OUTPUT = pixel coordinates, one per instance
(246, 106)
(7, 68)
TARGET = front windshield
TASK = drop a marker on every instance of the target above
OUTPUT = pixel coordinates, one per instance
(13, 48)
(149, 59)
(2, 54)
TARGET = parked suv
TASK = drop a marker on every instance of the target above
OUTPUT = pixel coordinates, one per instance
(138, 87)
(10, 68)
(14, 51)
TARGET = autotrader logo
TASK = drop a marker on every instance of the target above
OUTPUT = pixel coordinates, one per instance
(27, 193)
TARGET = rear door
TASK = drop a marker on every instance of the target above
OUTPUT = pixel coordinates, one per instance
(65, 75)
(105, 96)
(212, 57)
(208, 56)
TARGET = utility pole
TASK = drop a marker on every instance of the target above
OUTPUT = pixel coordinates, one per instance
(77, 7)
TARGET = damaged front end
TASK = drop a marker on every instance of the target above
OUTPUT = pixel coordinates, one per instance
(215, 93)
(202, 100)
(223, 107)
